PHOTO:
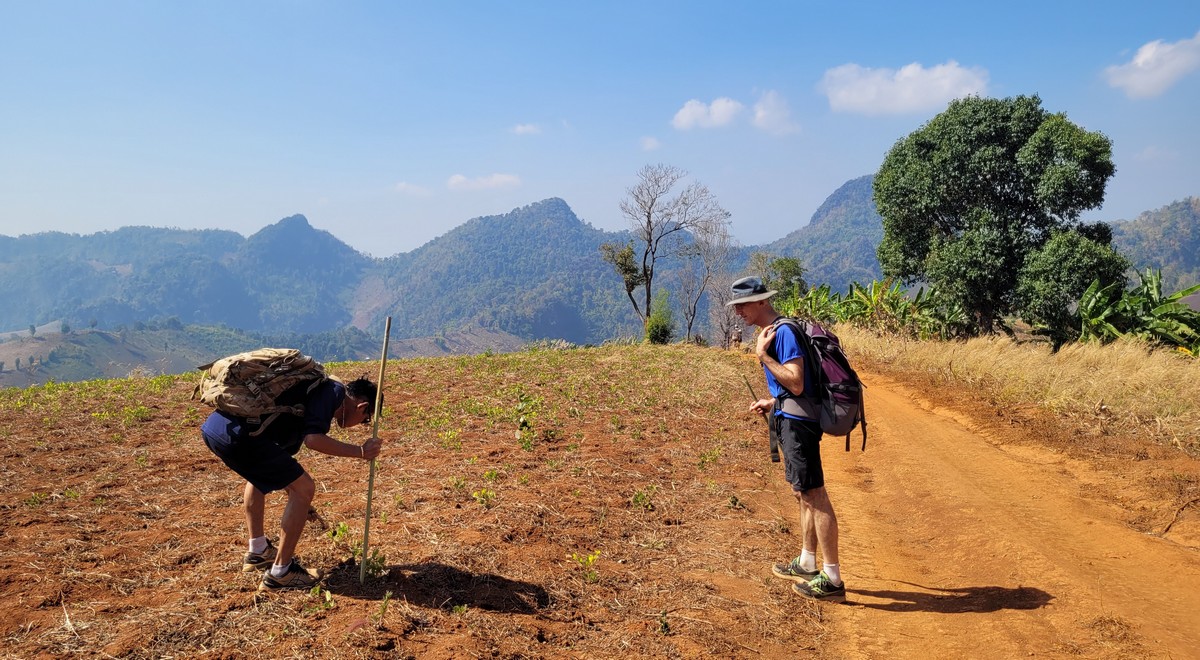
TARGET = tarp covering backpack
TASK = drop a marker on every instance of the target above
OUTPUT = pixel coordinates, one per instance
(837, 402)
(252, 385)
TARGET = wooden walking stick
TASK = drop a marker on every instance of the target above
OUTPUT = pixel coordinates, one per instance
(362, 568)
(770, 433)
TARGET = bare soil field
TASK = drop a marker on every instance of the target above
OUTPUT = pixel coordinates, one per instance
(634, 512)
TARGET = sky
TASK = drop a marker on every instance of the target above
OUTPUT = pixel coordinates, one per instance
(390, 123)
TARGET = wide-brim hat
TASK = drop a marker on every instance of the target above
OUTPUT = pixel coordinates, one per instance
(749, 289)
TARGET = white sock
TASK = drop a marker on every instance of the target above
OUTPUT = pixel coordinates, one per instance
(258, 544)
(834, 573)
(280, 571)
(808, 560)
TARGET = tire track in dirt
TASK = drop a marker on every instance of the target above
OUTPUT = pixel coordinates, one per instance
(953, 545)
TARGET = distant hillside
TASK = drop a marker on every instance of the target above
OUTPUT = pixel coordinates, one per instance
(535, 272)
(78, 355)
(1167, 239)
(838, 245)
(532, 273)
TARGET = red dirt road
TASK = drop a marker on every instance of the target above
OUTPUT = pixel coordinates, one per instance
(956, 544)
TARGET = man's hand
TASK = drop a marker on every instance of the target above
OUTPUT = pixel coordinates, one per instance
(371, 448)
(762, 406)
(765, 339)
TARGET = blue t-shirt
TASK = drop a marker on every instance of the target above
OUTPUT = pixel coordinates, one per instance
(287, 431)
(787, 348)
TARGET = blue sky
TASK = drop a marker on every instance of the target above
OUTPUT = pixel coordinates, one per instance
(390, 123)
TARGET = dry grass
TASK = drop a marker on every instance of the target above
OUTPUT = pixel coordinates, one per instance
(1123, 384)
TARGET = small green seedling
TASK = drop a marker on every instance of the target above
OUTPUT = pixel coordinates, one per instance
(588, 564)
(486, 497)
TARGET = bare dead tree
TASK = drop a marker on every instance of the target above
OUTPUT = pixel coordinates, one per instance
(721, 318)
(706, 257)
(656, 219)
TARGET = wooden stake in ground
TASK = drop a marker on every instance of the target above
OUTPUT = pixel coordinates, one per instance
(362, 568)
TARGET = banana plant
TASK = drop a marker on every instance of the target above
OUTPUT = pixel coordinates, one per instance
(1097, 313)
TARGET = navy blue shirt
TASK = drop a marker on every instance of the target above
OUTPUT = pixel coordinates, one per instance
(287, 431)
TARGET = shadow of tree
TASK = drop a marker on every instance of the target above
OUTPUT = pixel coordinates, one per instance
(955, 600)
(435, 585)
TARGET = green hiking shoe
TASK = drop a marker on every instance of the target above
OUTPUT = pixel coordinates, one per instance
(297, 577)
(792, 571)
(259, 561)
(821, 588)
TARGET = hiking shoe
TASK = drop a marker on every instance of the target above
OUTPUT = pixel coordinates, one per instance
(259, 561)
(297, 577)
(792, 571)
(821, 588)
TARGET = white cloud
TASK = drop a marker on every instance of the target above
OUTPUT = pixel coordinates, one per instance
(1154, 154)
(526, 129)
(411, 189)
(912, 88)
(489, 182)
(695, 114)
(650, 144)
(773, 115)
(1155, 67)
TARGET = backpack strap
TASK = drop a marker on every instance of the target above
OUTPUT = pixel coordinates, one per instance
(804, 405)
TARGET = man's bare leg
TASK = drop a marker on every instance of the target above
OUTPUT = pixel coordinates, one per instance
(825, 526)
(300, 495)
(254, 502)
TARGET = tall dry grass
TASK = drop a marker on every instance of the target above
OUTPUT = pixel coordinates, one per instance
(1154, 390)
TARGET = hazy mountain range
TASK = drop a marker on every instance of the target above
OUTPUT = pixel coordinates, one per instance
(532, 273)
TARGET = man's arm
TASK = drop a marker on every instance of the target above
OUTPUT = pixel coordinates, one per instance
(326, 445)
(790, 374)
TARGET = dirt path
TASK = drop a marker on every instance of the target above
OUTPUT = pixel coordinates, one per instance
(957, 546)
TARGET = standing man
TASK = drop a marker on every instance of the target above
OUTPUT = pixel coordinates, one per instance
(267, 462)
(782, 357)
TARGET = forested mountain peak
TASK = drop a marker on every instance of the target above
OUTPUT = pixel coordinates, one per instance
(1167, 239)
(837, 246)
(845, 204)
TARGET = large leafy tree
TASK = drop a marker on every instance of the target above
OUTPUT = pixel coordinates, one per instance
(969, 195)
(1056, 276)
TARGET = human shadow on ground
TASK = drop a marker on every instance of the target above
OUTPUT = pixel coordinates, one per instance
(434, 585)
(954, 600)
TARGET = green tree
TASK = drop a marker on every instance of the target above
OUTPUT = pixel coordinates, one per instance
(659, 222)
(32, 329)
(969, 195)
(1055, 277)
(660, 327)
(783, 274)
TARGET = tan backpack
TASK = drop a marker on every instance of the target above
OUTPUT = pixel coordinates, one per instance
(249, 384)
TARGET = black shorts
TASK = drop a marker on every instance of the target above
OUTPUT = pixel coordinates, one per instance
(266, 465)
(800, 444)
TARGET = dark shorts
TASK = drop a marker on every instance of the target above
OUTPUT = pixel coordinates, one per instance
(800, 445)
(266, 465)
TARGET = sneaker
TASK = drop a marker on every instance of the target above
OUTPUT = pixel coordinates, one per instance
(297, 577)
(792, 571)
(259, 561)
(821, 588)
